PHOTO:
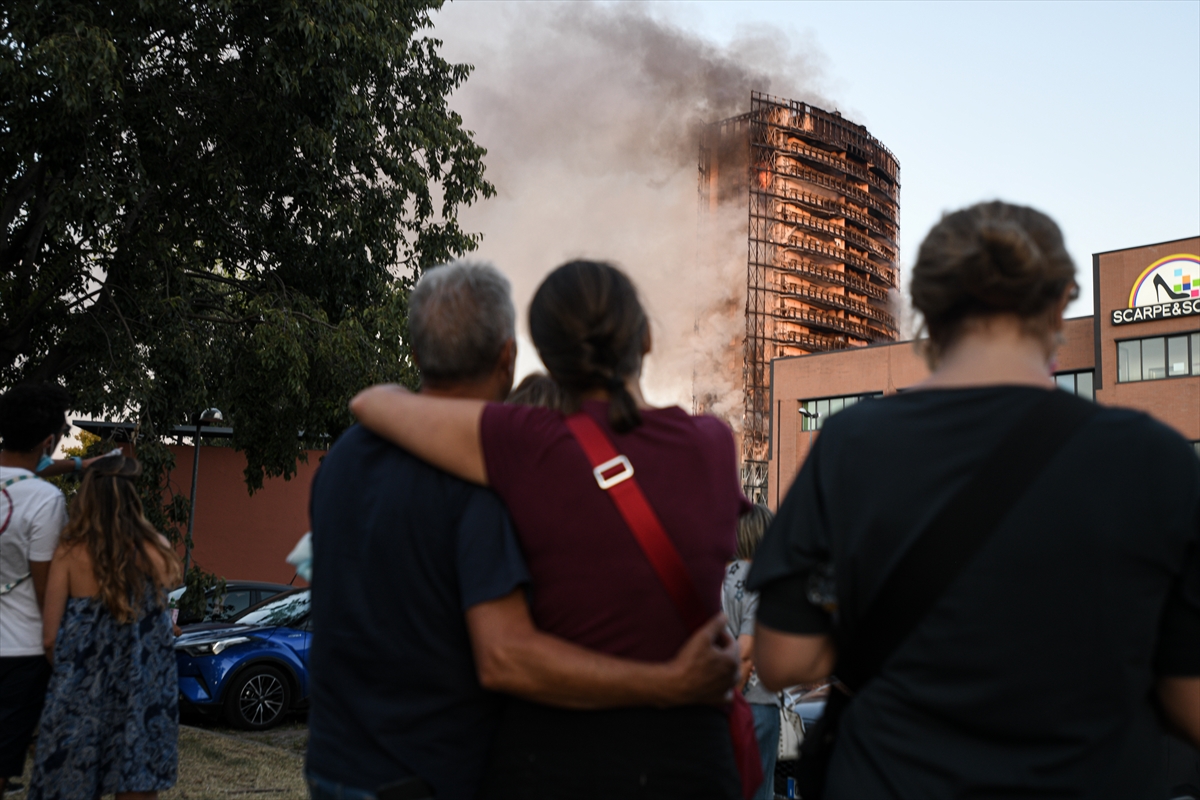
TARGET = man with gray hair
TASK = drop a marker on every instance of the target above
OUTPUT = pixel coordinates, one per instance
(418, 598)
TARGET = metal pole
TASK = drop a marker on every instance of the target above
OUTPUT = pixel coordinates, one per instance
(187, 553)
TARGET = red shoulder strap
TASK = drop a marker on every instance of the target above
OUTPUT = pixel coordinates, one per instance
(614, 475)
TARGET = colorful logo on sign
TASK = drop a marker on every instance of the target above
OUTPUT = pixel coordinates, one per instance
(1169, 279)
(1170, 287)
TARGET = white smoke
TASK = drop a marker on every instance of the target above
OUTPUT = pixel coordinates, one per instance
(591, 115)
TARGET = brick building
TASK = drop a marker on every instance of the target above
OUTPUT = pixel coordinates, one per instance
(237, 535)
(1139, 349)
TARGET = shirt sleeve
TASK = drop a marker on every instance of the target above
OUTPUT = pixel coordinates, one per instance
(749, 612)
(718, 431)
(490, 563)
(1178, 653)
(47, 524)
(797, 541)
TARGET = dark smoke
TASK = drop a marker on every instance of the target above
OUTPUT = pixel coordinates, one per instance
(591, 115)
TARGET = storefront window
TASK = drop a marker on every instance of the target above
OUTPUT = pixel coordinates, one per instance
(1154, 359)
(1158, 357)
(1129, 361)
(1083, 385)
(1177, 356)
(813, 413)
(1077, 383)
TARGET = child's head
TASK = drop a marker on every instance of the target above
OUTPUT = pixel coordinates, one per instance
(751, 528)
(539, 390)
(107, 518)
(33, 416)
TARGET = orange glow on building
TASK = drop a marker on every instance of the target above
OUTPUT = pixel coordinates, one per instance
(822, 201)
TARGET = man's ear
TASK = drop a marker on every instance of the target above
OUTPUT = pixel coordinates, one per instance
(49, 444)
(508, 356)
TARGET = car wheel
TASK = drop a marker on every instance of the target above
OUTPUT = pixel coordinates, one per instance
(258, 699)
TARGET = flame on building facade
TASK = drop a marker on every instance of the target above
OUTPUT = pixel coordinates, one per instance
(822, 197)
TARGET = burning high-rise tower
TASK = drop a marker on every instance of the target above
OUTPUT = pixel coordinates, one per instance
(822, 199)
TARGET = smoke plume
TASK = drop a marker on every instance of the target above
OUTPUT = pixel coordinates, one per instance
(591, 115)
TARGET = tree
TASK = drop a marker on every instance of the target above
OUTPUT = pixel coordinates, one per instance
(223, 203)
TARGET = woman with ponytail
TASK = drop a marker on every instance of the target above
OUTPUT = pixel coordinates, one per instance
(111, 719)
(592, 584)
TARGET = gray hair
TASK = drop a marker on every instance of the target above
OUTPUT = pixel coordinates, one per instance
(459, 317)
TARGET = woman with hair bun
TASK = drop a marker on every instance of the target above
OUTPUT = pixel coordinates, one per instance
(111, 719)
(1004, 578)
(591, 582)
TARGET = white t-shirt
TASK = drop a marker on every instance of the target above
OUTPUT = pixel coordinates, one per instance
(39, 514)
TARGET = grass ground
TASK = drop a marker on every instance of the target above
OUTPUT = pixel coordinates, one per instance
(220, 763)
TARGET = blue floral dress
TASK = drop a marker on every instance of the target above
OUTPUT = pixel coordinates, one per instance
(111, 719)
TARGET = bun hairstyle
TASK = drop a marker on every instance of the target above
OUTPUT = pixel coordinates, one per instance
(107, 518)
(991, 258)
(591, 331)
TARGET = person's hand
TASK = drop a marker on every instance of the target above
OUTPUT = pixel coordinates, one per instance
(116, 451)
(705, 670)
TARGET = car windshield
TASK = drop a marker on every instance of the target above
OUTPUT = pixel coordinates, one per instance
(286, 609)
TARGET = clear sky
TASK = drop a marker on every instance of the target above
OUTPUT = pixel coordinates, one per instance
(1089, 111)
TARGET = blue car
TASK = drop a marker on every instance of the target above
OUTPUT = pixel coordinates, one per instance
(252, 669)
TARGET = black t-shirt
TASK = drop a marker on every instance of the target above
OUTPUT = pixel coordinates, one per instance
(400, 551)
(1032, 675)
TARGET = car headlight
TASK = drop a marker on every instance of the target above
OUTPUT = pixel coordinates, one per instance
(212, 647)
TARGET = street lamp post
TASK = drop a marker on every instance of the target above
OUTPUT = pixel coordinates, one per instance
(206, 416)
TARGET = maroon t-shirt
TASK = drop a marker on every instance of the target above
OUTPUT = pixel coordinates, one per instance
(592, 584)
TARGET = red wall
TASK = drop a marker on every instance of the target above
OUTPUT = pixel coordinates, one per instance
(236, 535)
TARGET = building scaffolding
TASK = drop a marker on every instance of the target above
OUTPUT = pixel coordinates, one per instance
(822, 197)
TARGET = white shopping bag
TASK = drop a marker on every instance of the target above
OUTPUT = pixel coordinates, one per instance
(791, 729)
(301, 557)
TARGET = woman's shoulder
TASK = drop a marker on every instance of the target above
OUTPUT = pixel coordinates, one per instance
(517, 417)
(1127, 432)
(708, 431)
(72, 552)
(704, 424)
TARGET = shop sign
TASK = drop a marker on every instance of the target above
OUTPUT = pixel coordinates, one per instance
(1170, 287)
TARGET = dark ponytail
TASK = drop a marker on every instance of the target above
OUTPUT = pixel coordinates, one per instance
(590, 330)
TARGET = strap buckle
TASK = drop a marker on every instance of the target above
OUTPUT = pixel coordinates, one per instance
(624, 475)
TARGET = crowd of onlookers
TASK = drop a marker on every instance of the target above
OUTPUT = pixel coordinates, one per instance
(561, 591)
(85, 641)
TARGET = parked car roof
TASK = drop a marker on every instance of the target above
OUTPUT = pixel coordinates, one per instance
(283, 606)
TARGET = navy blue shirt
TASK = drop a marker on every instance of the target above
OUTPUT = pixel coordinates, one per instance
(400, 551)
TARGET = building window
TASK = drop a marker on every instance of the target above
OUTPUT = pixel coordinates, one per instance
(813, 413)
(1158, 357)
(1077, 383)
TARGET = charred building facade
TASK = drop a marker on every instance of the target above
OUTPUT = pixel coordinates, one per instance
(821, 197)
